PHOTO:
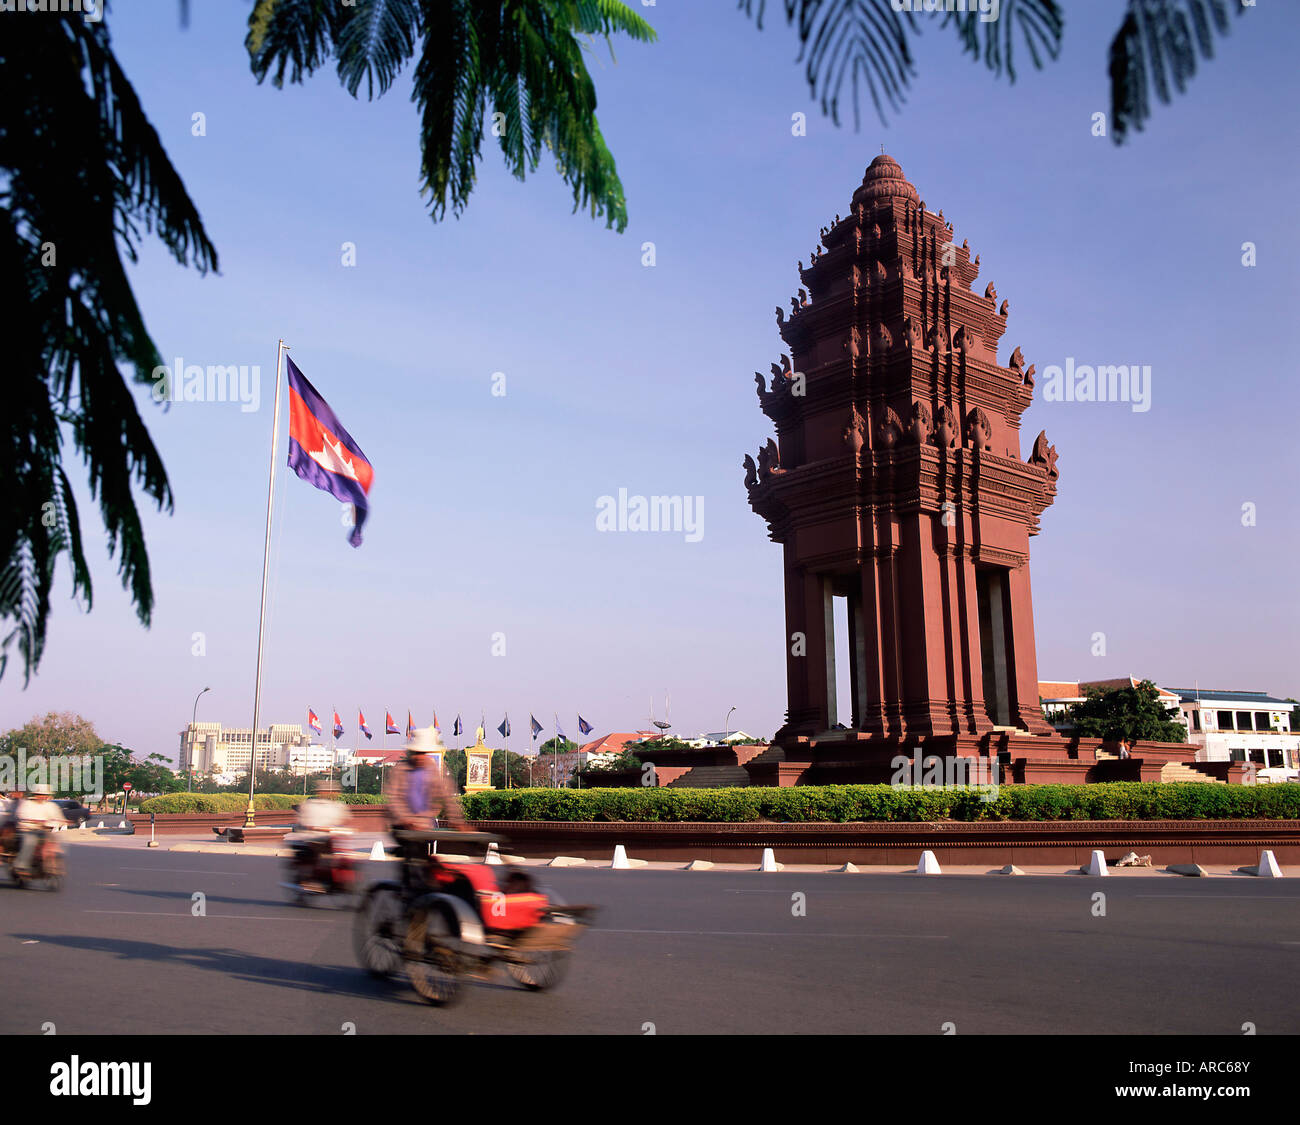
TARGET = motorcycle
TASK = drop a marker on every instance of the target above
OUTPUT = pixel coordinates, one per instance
(315, 871)
(47, 863)
(447, 921)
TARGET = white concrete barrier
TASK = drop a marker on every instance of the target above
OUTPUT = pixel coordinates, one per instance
(929, 865)
(566, 861)
(1096, 864)
(620, 858)
(377, 850)
(1268, 867)
(698, 865)
(769, 863)
(493, 855)
(848, 869)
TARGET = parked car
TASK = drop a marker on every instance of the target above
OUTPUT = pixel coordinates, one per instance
(76, 813)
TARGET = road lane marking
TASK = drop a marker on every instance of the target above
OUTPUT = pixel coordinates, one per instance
(766, 933)
(241, 917)
(838, 891)
(186, 871)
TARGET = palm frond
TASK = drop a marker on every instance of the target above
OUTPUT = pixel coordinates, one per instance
(375, 42)
(296, 36)
(858, 43)
(1157, 47)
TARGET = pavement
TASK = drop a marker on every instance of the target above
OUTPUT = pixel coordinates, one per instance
(361, 843)
(160, 941)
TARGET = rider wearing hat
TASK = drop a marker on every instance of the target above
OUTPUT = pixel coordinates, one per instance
(318, 818)
(36, 816)
(422, 789)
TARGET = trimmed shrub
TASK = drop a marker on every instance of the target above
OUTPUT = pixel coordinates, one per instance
(841, 804)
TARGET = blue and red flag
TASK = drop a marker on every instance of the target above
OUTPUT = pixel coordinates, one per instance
(313, 720)
(361, 722)
(323, 453)
(436, 725)
(390, 727)
(338, 725)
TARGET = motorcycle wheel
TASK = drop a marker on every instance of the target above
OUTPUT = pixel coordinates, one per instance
(378, 930)
(430, 963)
(543, 970)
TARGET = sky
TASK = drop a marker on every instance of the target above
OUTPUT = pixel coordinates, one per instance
(484, 586)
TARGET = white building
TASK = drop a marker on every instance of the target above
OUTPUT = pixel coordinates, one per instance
(1242, 726)
(719, 738)
(209, 746)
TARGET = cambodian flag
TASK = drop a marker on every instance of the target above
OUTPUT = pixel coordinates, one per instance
(410, 726)
(390, 727)
(361, 722)
(456, 727)
(583, 725)
(323, 453)
(313, 720)
(338, 725)
(537, 727)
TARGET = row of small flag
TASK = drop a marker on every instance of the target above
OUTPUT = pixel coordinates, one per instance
(390, 725)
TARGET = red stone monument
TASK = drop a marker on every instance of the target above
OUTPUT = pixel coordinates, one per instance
(897, 482)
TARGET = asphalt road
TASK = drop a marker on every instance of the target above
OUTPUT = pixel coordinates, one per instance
(119, 951)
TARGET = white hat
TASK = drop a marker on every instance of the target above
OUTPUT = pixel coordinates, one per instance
(427, 740)
(42, 791)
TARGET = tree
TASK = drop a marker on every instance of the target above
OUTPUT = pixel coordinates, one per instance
(869, 41)
(82, 173)
(62, 732)
(517, 764)
(558, 746)
(523, 58)
(1127, 712)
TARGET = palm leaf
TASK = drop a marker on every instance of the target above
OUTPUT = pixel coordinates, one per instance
(1157, 46)
(375, 42)
(868, 43)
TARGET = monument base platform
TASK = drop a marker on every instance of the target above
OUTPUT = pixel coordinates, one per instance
(1008, 757)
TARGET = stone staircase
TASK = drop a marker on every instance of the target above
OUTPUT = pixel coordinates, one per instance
(1179, 771)
(711, 777)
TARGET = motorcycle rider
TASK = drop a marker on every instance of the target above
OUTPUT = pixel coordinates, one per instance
(37, 816)
(8, 825)
(319, 817)
(422, 788)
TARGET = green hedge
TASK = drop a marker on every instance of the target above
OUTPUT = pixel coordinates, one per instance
(846, 803)
(238, 802)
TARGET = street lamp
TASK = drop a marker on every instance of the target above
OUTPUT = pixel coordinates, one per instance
(727, 731)
(193, 716)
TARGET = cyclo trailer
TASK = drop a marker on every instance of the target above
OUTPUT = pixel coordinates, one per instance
(447, 919)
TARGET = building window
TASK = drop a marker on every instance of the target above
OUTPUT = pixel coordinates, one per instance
(1244, 721)
(1274, 756)
(1196, 720)
(1237, 755)
(1225, 720)
(1257, 756)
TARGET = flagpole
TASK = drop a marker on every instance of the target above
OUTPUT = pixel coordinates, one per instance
(266, 566)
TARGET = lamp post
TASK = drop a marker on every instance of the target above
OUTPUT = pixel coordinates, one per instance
(193, 716)
(727, 725)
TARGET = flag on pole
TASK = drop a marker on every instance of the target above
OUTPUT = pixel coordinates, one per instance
(390, 727)
(313, 720)
(457, 728)
(410, 725)
(537, 727)
(583, 725)
(435, 723)
(504, 728)
(559, 733)
(338, 725)
(323, 453)
(361, 722)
